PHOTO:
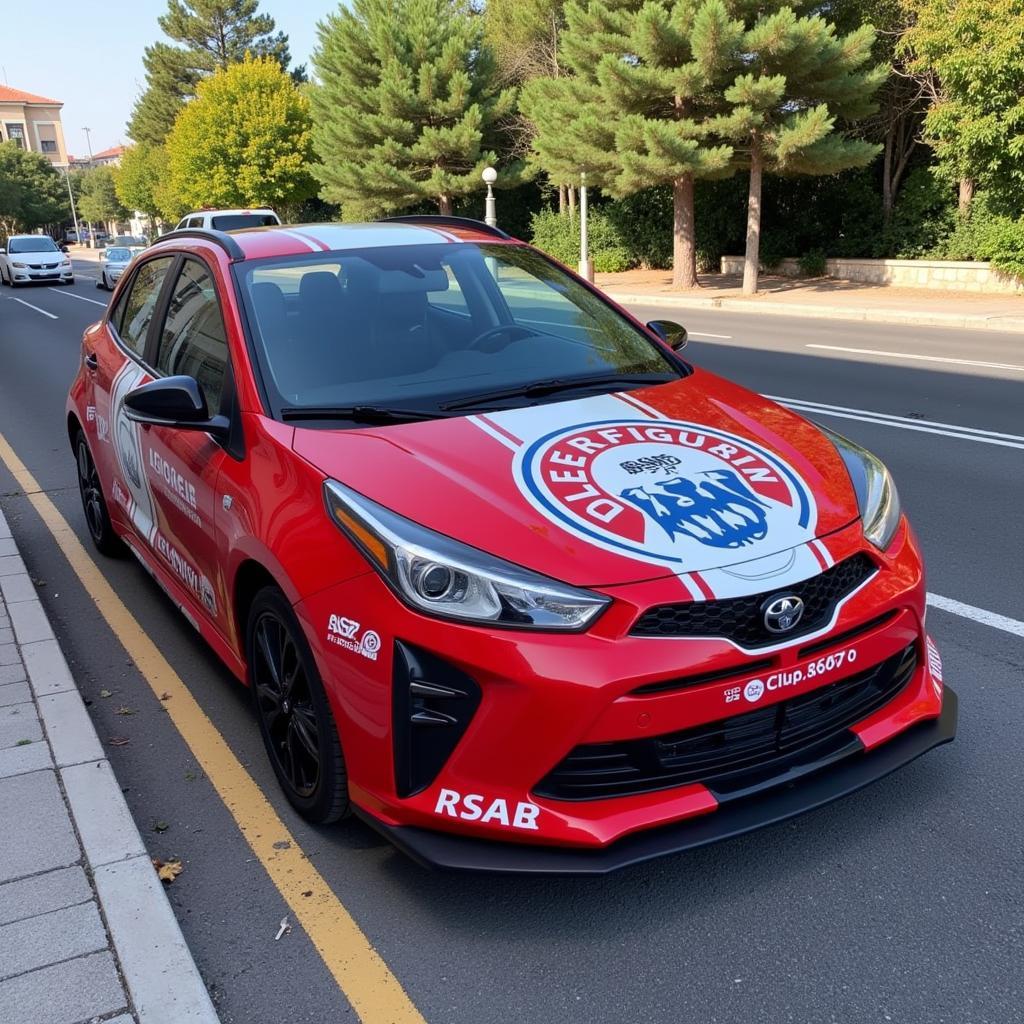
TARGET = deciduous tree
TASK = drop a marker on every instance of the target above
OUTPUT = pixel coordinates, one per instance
(99, 202)
(137, 179)
(409, 105)
(245, 140)
(32, 191)
(975, 50)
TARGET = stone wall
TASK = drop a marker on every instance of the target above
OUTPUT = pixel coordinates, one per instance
(942, 275)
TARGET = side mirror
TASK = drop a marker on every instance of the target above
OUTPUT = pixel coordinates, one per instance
(64, 248)
(176, 402)
(673, 334)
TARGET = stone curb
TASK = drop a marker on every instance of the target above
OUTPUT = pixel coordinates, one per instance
(975, 322)
(158, 969)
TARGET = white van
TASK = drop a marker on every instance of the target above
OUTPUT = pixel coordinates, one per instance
(229, 220)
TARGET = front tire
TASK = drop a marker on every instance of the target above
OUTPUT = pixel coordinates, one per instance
(97, 518)
(294, 714)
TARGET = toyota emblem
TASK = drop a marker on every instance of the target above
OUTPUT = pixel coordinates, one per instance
(781, 614)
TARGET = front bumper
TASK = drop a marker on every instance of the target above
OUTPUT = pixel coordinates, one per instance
(542, 697)
(829, 782)
(46, 274)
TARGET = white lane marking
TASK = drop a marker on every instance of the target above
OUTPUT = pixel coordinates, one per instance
(982, 615)
(808, 409)
(52, 316)
(708, 334)
(82, 298)
(927, 359)
(897, 419)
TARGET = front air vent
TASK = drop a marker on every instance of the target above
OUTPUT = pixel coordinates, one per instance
(433, 703)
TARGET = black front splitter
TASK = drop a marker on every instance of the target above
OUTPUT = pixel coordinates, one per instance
(447, 850)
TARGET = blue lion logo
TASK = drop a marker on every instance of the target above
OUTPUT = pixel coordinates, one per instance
(716, 508)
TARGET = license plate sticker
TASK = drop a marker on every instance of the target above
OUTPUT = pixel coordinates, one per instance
(827, 667)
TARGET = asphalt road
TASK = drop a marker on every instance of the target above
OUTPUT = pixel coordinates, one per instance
(903, 903)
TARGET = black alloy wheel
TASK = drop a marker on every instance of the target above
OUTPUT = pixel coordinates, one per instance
(295, 718)
(101, 530)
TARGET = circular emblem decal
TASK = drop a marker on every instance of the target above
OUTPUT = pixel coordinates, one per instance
(781, 614)
(677, 494)
(754, 691)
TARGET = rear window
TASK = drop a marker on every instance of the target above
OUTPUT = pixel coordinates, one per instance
(236, 221)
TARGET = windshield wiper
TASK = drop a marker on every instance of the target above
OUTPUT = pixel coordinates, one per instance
(558, 384)
(357, 413)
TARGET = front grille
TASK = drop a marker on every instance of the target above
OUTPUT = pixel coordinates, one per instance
(741, 618)
(734, 754)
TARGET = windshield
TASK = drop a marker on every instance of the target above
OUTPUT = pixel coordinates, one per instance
(419, 327)
(119, 255)
(38, 243)
(235, 221)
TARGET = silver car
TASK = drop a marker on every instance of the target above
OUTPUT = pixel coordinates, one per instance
(113, 263)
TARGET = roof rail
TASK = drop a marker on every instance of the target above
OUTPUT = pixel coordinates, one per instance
(434, 220)
(221, 238)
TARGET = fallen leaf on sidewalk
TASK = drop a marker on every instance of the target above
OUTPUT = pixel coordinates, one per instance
(119, 741)
(125, 710)
(105, 693)
(160, 826)
(283, 929)
(165, 696)
(167, 870)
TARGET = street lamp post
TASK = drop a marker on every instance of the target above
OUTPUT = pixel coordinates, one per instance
(586, 264)
(490, 176)
(88, 142)
(71, 196)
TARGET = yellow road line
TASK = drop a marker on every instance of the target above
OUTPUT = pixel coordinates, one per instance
(361, 973)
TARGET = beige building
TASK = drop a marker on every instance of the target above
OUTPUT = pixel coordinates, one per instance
(33, 122)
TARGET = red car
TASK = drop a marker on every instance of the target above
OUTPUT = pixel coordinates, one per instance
(507, 577)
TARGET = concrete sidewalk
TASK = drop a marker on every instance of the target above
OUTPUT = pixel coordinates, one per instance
(86, 932)
(823, 298)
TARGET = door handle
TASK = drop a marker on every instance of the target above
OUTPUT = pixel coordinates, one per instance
(91, 361)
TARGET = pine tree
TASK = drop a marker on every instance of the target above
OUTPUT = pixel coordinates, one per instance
(213, 34)
(794, 78)
(633, 112)
(409, 106)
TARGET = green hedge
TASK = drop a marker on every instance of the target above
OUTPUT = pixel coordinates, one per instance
(559, 236)
(987, 233)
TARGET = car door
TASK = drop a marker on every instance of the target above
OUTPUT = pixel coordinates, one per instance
(115, 353)
(181, 467)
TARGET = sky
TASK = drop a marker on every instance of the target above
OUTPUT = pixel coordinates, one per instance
(90, 56)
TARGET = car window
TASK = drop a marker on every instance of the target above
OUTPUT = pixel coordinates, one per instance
(417, 326)
(118, 255)
(195, 222)
(236, 221)
(135, 310)
(193, 341)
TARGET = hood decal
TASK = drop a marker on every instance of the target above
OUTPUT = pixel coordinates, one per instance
(677, 494)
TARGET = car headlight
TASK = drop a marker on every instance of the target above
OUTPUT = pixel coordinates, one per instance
(65, 263)
(19, 266)
(443, 577)
(873, 484)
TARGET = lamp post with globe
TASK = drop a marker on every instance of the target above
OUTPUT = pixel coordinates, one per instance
(490, 176)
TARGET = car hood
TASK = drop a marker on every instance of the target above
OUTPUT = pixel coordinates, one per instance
(694, 476)
(44, 259)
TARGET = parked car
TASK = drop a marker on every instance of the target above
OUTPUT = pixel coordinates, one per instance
(229, 220)
(28, 258)
(507, 576)
(114, 262)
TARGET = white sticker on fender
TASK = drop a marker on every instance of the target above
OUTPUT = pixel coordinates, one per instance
(673, 493)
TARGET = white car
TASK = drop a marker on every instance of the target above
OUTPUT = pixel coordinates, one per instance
(114, 262)
(229, 220)
(28, 258)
